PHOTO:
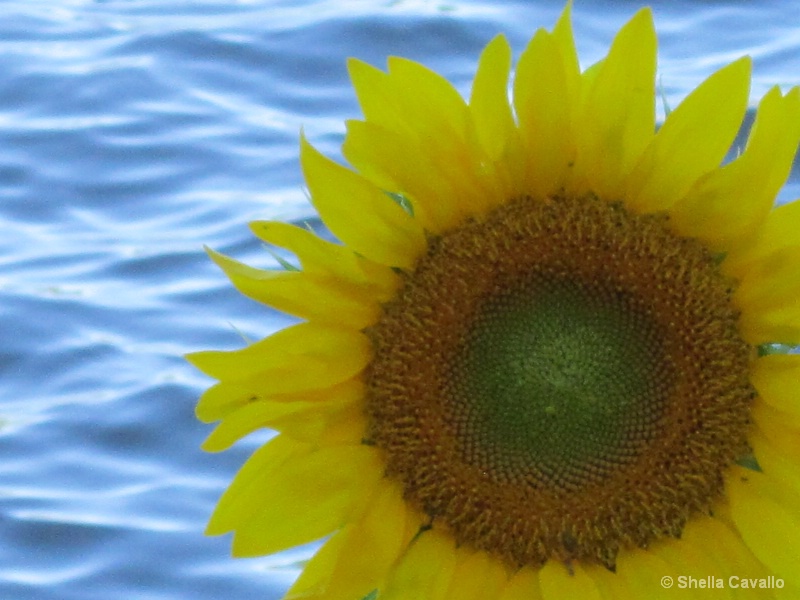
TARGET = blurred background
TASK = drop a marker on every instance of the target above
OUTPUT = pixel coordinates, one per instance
(133, 132)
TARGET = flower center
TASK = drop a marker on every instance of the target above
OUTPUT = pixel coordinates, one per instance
(560, 380)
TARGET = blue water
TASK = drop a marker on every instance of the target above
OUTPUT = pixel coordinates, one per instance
(134, 132)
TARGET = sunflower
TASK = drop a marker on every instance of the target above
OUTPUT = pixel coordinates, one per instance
(554, 353)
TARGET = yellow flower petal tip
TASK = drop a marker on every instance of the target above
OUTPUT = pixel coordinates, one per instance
(547, 339)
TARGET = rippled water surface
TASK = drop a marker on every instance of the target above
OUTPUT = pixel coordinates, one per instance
(134, 132)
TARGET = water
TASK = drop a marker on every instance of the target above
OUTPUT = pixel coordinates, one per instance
(132, 133)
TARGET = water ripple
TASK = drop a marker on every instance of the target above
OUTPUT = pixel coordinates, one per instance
(133, 134)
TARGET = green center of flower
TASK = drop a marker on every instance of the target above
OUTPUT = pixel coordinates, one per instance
(559, 381)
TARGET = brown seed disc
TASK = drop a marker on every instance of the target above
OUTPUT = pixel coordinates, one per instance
(560, 380)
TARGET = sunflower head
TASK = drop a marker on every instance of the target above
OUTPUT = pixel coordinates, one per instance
(537, 360)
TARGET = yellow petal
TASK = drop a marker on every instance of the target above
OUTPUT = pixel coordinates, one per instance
(565, 40)
(222, 399)
(386, 149)
(495, 127)
(398, 163)
(309, 497)
(428, 99)
(774, 462)
(642, 571)
(780, 230)
(609, 584)
(556, 582)
(441, 142)
(326, 300)
(373, 91)
(717, 542)
(242, 498)
(313, 583)
(425, 571)
(360, 214)
(737, 198)
(345, 426)
(379, 98)
(769, 418)
(766, 514)
(790, 591)
(617, 120)
(322, 258)
(245, 421)
(304, 420)
(544, 105)
(306, 356)
(777, 428)
(359, 558)
(691, 560)
(776, 378)
(693, 140)
(523, 585)
(769, 298)
(386, 100)
(489, 103)
(477, 576)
